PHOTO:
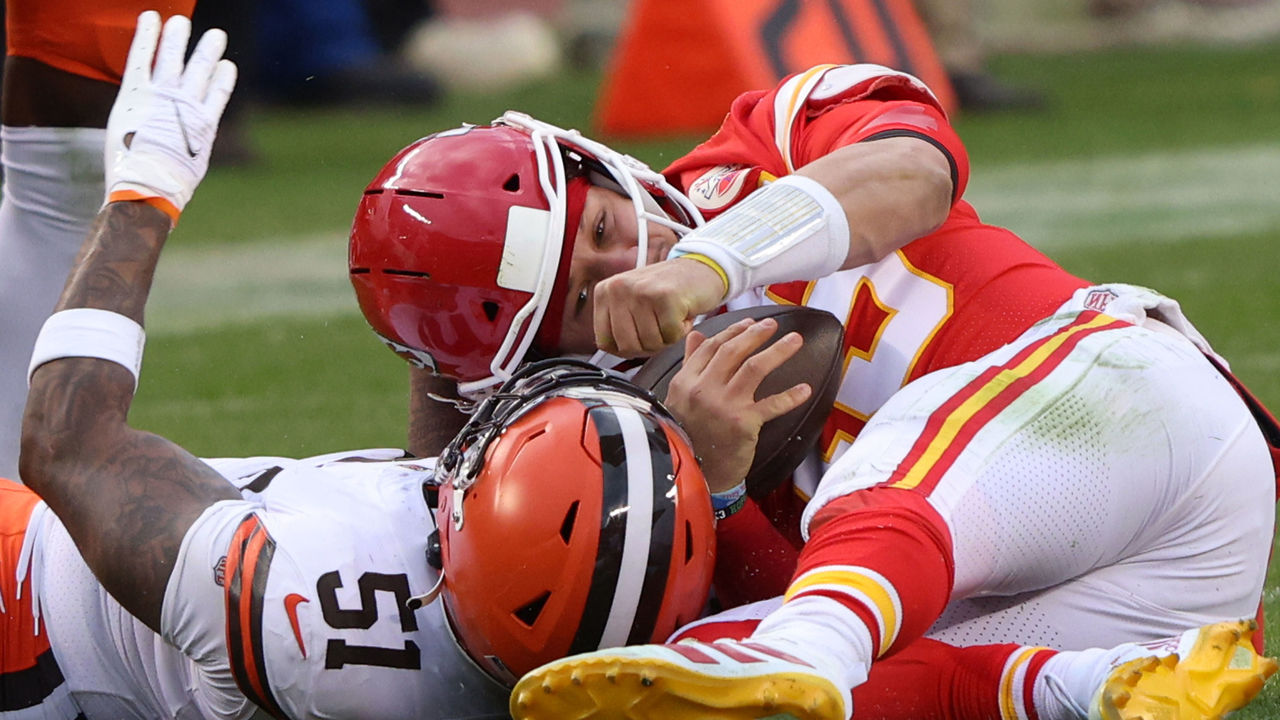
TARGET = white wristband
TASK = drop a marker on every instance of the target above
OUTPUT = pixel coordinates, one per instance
(790, 229)
(89, 333)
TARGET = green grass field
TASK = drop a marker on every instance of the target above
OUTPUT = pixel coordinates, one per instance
(1158, 166)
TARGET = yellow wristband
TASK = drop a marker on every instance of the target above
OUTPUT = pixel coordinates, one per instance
(724, 278)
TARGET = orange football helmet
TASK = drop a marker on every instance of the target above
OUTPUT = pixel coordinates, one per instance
(573, 516)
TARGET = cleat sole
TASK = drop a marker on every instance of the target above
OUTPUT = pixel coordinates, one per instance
(612, 688)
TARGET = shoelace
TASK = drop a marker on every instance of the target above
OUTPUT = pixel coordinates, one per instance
(1060, 693)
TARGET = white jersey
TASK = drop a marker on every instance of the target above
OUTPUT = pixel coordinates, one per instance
(288, 603)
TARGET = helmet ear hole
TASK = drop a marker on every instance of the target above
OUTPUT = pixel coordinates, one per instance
(532, 609)
(570, 518)
(490, 309)
(688, 542)
(512, 184)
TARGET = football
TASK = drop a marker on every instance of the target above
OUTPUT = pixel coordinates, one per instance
(785, 440)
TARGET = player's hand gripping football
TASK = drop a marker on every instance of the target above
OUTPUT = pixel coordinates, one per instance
(161, 128)
(714, 396)
(641, 311)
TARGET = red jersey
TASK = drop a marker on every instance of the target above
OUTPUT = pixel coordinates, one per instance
(943, 299)
(946, 298)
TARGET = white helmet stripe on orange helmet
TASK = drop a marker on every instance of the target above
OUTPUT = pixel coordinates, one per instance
(639, 476)
(638, 516)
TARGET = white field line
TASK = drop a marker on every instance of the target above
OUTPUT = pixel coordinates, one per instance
(198, 288)
(1170, 197)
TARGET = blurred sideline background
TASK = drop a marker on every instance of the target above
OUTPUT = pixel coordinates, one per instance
(1151, 154)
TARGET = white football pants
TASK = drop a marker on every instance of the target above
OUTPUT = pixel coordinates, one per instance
(1110, 484)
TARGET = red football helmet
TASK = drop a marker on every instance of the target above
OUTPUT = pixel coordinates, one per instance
(573, 516)
(459, 240)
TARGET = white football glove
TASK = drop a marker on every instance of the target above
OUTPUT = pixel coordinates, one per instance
(161, 128)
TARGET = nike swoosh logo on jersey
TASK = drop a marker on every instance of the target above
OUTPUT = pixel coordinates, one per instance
(291, 602)
(193, 152)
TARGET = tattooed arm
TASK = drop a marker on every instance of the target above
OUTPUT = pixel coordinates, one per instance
(126, 496)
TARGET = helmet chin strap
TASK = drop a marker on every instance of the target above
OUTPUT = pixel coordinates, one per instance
(604, 360)
(462, 405)
(420, 601)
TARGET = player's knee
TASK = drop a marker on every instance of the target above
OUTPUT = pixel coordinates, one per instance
(899, 535)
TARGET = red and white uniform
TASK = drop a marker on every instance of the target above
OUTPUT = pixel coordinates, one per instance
(943, 299)
(946, 298)
(288, 603)
(1100, 481)
(1052, 475)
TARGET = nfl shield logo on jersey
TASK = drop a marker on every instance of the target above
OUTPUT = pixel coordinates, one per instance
(1099, 300)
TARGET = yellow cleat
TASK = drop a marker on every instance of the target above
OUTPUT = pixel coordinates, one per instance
(725, 680)
(1218, 674)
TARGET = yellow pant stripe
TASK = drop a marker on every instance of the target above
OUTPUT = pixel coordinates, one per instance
(969, 408)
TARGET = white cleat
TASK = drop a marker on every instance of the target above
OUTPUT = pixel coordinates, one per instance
(690, 680)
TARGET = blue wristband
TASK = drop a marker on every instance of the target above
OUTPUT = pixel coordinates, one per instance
(726, 503)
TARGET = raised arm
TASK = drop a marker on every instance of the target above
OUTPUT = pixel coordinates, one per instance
(126, 496)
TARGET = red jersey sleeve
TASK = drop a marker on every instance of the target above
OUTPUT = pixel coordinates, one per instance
(768, 134)
(758, 547)
(868, 120)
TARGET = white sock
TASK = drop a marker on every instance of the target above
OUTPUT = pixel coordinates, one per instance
(823, 632)
(1070, 680)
